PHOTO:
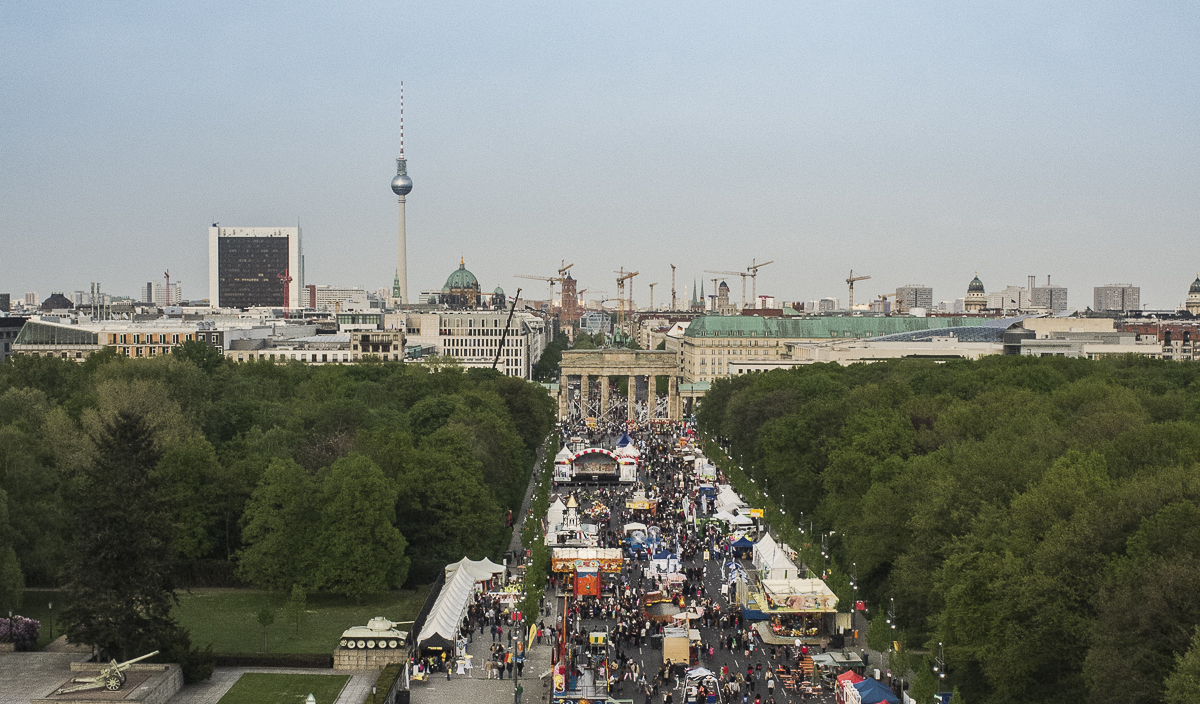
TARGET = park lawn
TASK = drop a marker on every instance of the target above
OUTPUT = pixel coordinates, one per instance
(268, 688)
(228, 618)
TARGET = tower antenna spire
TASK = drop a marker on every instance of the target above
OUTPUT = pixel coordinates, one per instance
(401, 119)
(401, 186)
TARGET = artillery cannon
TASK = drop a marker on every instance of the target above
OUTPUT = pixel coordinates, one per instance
(111, 677)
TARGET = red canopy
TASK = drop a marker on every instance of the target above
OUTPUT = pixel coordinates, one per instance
(850, 677)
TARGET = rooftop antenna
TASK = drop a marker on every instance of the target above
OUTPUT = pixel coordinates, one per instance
(401, 119)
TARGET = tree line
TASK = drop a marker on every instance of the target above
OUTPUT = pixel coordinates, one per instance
(1040, 518)
(338, 478)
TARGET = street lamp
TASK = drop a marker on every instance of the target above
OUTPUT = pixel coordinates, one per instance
(891, 614)
(854, 575)
(939, 664)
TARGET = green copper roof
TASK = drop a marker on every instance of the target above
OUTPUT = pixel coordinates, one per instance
(460, 278)
(825, 327)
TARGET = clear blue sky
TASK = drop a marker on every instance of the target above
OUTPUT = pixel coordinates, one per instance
(916, 143)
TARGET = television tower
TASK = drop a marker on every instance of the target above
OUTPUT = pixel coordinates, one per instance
(401, 186)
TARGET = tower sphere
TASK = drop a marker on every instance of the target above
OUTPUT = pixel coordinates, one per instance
(401, 184)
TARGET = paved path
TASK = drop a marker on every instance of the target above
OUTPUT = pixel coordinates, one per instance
(211, 691)
(515, 545)
(25, 676)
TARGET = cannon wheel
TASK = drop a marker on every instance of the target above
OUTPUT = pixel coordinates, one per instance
(112, 683)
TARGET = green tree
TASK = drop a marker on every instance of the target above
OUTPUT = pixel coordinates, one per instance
(120, 586)
(266, 617)
(879, 633)
(357, 548)
(203, 355)
(1183, 684)
(280, 522)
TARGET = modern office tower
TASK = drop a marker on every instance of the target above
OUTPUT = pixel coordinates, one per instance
(1051, 297)
(1116, 297)
(914, 296)
(255, 266)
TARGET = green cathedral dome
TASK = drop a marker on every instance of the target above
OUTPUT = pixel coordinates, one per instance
(976, 286)
(1195, 287)
(460, 278)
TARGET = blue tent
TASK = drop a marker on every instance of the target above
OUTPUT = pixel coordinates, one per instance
(872, 692)
(624, 440)
(742, 547)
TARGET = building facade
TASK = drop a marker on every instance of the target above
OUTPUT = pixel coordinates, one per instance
(473, 337)
(1116, 297)
(248, 267)
(914, 296)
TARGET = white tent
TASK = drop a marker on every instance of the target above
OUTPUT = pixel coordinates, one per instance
(441, 625)
(728, 499)
(732, 518)
(554, 515)
(480, 570)
(772, 561)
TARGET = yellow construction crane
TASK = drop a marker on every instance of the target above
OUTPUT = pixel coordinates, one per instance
(850, 280)
(731, 273)
(753, 269)
(884, 296)
(563, 271)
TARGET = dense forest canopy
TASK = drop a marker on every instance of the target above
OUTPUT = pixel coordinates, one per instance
(1039, 517)
(344, 478)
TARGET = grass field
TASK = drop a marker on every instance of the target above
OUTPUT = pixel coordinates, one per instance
(228, 618)
(263, 688)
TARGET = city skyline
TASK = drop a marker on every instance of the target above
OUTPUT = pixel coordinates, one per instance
(911, 145)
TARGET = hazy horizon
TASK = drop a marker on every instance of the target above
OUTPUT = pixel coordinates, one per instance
(914, 144)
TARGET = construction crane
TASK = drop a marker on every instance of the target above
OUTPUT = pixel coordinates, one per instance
(652, 294)
(504, 336)
(624, 276)
(850, 280)
(286, 278)
(884, 296)
(166, 274)
(753, 269)
(731, 273)
(550, 279)
(672, 287)
(563, 271)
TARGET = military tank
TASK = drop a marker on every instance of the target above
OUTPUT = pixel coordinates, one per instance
(379, 633)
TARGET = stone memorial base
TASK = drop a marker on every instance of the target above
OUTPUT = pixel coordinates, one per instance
(358, 659)
(144, 684)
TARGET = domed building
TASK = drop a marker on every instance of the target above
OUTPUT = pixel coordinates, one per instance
(498, 298)
(1193, 299)
(976, 299)
(462, 288)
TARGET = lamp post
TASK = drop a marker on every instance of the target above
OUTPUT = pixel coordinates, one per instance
(891, 614)
(939, 663)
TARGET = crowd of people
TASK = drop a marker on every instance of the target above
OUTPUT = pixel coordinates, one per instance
(744, 668)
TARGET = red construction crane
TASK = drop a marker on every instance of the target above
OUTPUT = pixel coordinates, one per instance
(286, 278)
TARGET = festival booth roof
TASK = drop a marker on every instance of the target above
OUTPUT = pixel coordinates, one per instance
(480, 570)
(807, 595)
(742, 542)
(634, 526)
(564, 455)
(848, 676)
(770, 558)
(441, 626)
(732, 518)
(572, 559)
(873, 692)
(728, 499)
(836, 659)
(624, 440)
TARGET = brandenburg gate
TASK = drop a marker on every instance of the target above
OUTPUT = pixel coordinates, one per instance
(606, 363)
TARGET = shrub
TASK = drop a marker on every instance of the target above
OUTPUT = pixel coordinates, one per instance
(21, 631)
